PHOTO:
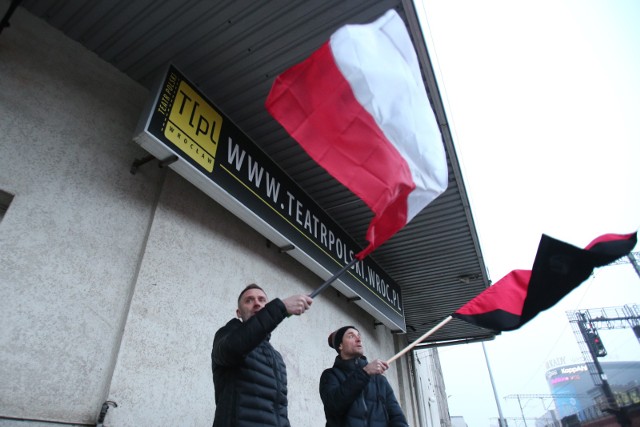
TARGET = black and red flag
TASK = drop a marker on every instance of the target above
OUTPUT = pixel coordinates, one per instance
(558, 269)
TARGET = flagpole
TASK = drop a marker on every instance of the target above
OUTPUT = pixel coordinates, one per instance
(333, 278)
(503, 422)
(419, 340)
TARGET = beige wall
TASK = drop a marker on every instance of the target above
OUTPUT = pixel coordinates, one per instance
(114, 284)
(72, 238)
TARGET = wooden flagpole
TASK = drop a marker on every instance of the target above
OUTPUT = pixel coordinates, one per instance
(419, 340)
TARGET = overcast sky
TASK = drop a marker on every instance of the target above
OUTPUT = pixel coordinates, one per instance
(544, 102)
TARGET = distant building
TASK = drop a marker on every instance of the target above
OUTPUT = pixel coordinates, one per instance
(575, 382)
(433, 406)
(458, 422)
(549, 418)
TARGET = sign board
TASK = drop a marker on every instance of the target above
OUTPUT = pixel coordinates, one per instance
(218, 158)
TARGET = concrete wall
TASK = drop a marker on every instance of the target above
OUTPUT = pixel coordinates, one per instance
(114, 284)
(197, 260)
(72, 239)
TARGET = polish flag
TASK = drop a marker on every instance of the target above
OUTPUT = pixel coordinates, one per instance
(359, 108)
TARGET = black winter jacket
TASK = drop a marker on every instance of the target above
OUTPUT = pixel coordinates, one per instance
(353, 398)
(249, 375)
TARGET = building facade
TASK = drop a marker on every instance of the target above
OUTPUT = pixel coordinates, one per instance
(113, 284)
(433, 405)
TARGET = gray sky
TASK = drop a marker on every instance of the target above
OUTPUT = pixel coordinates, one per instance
(544, 102)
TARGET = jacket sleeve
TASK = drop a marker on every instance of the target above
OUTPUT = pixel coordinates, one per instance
(236, 339)
(394, 411)
(338, 396)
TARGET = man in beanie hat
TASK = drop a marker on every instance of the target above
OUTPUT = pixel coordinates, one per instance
(354, 392)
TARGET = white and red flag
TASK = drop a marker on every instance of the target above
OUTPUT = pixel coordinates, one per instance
(359, 108)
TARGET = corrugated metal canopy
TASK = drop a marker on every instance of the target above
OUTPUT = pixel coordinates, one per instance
(233, 50)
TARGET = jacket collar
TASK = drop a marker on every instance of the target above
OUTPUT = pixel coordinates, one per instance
(351, 364)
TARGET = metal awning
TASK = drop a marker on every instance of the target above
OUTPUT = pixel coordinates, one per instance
(233, 50)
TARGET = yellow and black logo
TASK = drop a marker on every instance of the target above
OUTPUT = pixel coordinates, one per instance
(194, 126)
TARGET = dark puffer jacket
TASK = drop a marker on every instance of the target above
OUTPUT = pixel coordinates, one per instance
(352, 398)
(249, 375)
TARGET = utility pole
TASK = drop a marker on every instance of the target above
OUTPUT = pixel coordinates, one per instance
(584, 327)
(634, 261)
(606, 388)
(501, 421)
(522, 412)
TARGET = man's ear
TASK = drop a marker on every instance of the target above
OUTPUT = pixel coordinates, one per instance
(238, 313)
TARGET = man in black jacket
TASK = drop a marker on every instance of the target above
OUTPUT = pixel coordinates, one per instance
(249, 375)
(354, 392)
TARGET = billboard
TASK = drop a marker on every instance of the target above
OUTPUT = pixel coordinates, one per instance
(574, 391)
